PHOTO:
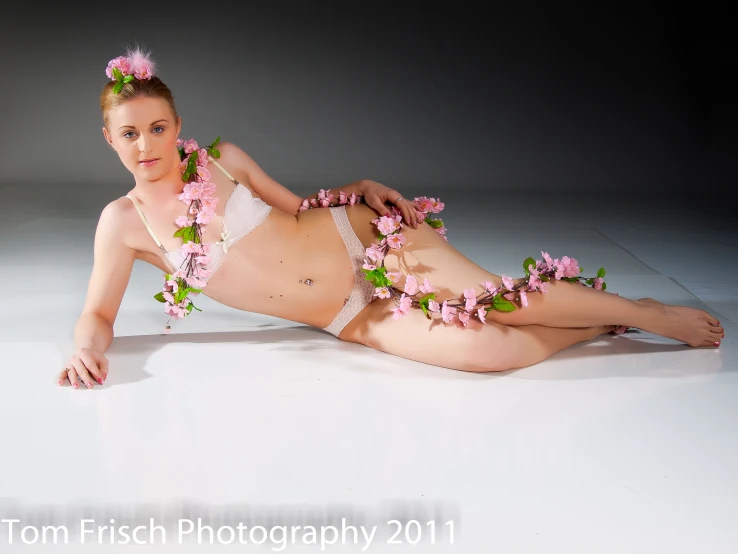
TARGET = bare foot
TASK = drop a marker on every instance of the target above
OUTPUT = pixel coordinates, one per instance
(691, 326)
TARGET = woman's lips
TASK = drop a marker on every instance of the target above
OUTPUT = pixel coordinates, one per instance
(149, 163)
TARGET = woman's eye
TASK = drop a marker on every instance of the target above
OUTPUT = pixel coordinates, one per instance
(125, 135)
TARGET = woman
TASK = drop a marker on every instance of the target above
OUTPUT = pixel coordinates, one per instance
(267, 255)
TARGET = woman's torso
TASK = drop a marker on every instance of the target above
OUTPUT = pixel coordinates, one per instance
(266, 270)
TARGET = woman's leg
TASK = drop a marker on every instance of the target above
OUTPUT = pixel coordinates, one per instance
(526, 345)
(574, 305)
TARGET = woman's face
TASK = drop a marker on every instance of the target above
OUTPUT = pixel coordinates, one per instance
(144, 129)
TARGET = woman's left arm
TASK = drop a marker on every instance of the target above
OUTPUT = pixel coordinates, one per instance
(268, 189)
(375, 194)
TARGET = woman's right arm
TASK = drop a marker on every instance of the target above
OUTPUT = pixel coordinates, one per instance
(111, 272)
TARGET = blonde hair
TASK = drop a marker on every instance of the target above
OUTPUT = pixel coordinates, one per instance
(148, 88)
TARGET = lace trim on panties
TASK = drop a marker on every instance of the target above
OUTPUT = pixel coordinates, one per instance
(363, 291)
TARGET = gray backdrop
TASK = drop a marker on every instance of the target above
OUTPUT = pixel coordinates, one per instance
(449, 97)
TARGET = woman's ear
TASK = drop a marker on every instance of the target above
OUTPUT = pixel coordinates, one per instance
(107, 139)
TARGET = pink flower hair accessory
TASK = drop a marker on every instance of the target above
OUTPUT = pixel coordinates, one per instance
(137, 64)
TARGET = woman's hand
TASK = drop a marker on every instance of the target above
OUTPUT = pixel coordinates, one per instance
(376, 195)
(86, 364)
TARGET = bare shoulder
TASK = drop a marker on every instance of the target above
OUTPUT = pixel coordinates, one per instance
(116, 220)
(237, 162)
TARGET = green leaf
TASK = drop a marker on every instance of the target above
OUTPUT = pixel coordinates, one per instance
(428, 297)
(217, 140)
(189, 307)
(128, 78)
(435, 223)
(117, 73)
(528, 261)
(502, 304)
(118, 87)
(601, 272)
(160, 297)
(604, 285)
(216, 153)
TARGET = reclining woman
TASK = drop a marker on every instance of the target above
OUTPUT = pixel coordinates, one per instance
(359, 261)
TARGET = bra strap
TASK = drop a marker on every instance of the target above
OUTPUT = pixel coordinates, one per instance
(223, 170)
(143, 218)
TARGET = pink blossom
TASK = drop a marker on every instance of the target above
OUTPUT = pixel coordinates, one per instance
(558, 269)
(549, 261)
(433, 306)
(382, 292)
(507, 282)
(172, 285)
(411, 285)
(353, 199)
(481, 314)
(471, 298)
(447, 312)
(441, 230)
(191, 191)
(203, 272)
(182, 221)
(168, 296)
(396, 241)
(190, 146)
(203, 260)
(203, 173)
(394, 276)
(436, 205)
(180, 142)
(404, 308)
(202, 158)
(509, 295)
(121, 63)
(142, 65)
(488, 286)
(342, 198)
(369, 266)
(190, 248)
(175, 311)
(374, 253)
(543, 287)
(305, 205)
(426, 287)
(425, 204)
(571, 266)
(464, 317)
(598, 283)
(534, 282)
(204, 216)
(386, 225)
(524, 298)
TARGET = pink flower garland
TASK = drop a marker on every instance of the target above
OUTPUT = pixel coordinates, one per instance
(199, 194)
(422, 296)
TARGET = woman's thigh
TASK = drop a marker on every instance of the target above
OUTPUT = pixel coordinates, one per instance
(477, 347)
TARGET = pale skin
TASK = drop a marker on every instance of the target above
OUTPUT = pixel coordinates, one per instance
(264, 272)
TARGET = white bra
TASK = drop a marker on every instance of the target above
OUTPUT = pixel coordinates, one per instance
(242, 214)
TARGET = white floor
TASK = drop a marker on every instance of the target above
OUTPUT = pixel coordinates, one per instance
(625, 444)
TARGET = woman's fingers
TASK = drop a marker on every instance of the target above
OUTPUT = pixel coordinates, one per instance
(79, 371)
(93, 371)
